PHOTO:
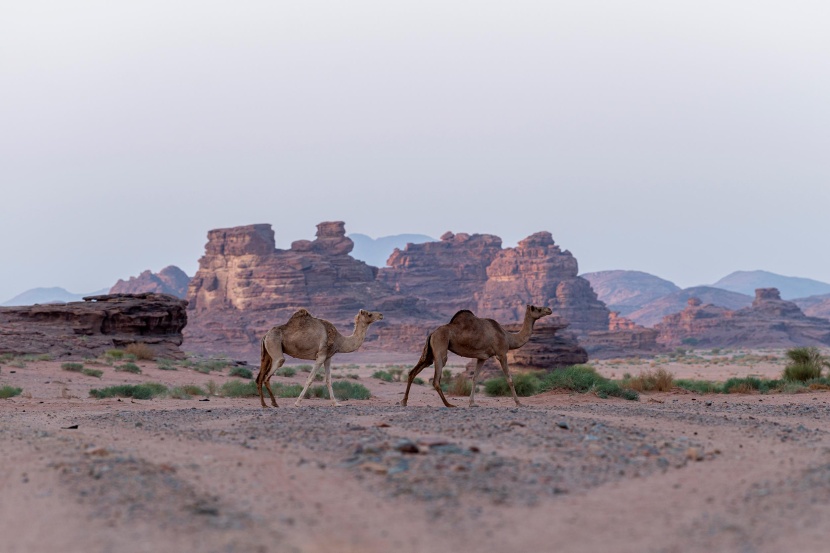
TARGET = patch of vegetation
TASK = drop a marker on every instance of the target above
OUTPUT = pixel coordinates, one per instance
(128, 368)
(142, 352)
(115, 353)
(206, 366)
(286, 371)
(525, 384)
(354, 376)
(9, 391)
(97, 373)
(38, 357)
(459, 385)
(135, 391)
(699, 386)
(212, 388)
(241, 372)
(418, 380)
(73, 367)
(305, 368)
(342, 390)
(235, 388)
(386, 376)
(187, 391)
(657, 380)
(806, 363)
(751, 384)
(584, 379)
(166, 364)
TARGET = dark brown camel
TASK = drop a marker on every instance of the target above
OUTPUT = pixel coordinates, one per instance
(468, 336)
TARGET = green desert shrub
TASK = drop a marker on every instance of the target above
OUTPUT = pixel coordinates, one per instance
(806, 363)
(73, 367)
(583, 379)
(9, 391)
(187, 391)
(235, 388)
(135, 391)
(750, 385)
(115, 353)
(386, 376)
(525, 384)
(97, 373)
(459, 385)
(128, 368)
(286, 371)
(342, 390)
(241, 372)
(699, 386)
(166, 364)
(305, 368)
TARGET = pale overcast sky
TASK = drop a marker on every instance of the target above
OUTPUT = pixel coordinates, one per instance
(688, 139)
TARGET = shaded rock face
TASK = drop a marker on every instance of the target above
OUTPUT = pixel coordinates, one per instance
(537, 271)
(549, 347)
(244, 286)
(653, 312)
(624, 338)
(768, 322)
(171, 281)
(91, 327)
(446, 274)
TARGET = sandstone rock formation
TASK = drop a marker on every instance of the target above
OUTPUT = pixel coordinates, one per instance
(815, 306)
(89, 328)
(768, 322)
(653, 312)
(244, 286)
(446, 274)
(624, 338)
(537, 271)
(171, 280)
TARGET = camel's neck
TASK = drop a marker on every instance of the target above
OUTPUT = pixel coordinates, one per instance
(350, 343)
(516, 340)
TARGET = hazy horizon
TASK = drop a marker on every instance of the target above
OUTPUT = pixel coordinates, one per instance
(687, 140)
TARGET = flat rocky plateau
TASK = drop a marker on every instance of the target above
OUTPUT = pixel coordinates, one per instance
(673, 472)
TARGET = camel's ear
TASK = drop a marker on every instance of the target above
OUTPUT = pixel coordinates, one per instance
(362, 311)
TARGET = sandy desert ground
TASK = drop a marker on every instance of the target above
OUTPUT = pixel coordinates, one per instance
(673, 472)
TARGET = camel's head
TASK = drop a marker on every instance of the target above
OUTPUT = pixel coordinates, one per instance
(368, 317)
(538, 312)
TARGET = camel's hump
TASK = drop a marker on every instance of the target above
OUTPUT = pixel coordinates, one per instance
(301, 313)
(461, 315)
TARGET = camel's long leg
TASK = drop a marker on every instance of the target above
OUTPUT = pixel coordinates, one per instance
(479, 363)
(267, 381)
(327, 365)
(440, 360)
(321, 358)
(411, 378)
(506, 371)
(270, 350)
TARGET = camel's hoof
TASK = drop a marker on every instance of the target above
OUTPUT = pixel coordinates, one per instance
(451, 405)
(296, 404)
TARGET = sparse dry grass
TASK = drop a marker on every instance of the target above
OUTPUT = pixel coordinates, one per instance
(142, 352)
(655, 380)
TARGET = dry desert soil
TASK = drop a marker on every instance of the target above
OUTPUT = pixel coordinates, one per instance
(672, 472)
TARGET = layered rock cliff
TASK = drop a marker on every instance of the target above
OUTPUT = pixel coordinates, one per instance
(245, 285)
(768, 322)
(89, 328)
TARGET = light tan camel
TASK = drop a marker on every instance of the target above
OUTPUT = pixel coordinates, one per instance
(307, 337)
(468, 336)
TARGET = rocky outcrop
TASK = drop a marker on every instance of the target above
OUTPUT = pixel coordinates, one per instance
(245, 285)
(537, 271)
(815, 306)
(549, 348)
(88, 328)
(445, 274)
(171, 280)
(624, 338)
(768, 322)
(653, 312)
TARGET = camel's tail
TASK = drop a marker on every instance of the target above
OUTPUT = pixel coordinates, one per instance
(427, 357)
(265, 362)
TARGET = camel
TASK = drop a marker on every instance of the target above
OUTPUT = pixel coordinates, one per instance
(307, 337)
(468, 336)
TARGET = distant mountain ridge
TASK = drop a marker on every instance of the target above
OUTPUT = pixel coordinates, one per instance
(628, 291)
(375, 251)
(653, 312)
(54, 294)
(746, 282)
